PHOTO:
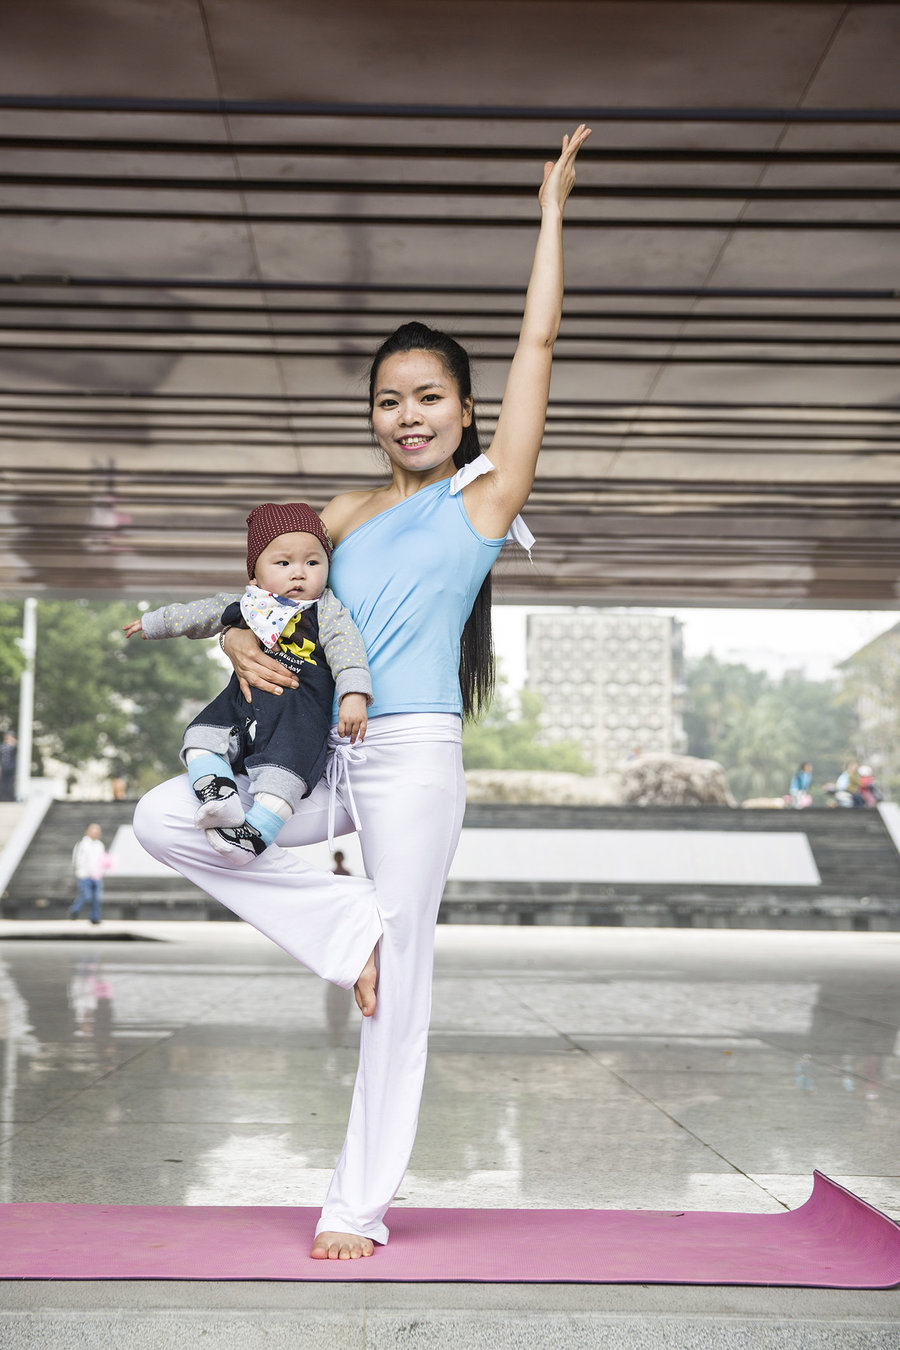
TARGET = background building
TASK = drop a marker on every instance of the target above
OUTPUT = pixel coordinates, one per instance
(611, 680)
(871, 678)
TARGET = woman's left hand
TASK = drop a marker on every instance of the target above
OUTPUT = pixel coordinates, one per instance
(559, 177)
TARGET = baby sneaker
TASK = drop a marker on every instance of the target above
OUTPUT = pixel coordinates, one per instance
(220, 802)
(239, 843)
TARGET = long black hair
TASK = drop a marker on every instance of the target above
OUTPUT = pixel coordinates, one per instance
(476, 648)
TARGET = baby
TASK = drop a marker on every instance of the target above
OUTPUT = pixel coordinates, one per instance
(278, 741)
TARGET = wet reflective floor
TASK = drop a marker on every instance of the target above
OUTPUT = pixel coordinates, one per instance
(616, 1068)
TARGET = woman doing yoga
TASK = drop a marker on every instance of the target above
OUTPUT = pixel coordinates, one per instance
(411, 563)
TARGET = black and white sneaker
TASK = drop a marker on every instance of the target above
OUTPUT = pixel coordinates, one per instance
(240, 843)
(220, 804)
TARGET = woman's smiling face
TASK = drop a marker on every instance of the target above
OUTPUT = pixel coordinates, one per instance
(417, 414)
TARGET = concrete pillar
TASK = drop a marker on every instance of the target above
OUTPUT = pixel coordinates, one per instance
(26, 701)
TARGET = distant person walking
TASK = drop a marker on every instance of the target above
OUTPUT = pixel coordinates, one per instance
(89, 860)
(339, 870)
(9, 756)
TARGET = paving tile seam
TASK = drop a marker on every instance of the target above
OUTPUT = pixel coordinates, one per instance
(21, 1126)
(632, 1088)
(103, 1078)
(856, 1017)
(693, 1135)
(767, 1190)
(535, 1013)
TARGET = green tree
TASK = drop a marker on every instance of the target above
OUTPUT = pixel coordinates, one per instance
(98, 695)
(718, 695)
(12, 661)
(872, 687)
(507, 738)
(761, 729)
(165, 684)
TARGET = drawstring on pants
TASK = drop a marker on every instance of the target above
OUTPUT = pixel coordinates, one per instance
(337, 768)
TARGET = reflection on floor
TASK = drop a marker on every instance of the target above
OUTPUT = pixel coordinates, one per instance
(610, 1068)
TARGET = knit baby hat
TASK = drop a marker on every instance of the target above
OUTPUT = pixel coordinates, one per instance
(268, 521)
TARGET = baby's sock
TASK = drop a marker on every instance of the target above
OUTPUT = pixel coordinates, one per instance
(242, 843)
(213, 782)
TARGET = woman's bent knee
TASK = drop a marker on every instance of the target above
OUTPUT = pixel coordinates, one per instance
(151, 828)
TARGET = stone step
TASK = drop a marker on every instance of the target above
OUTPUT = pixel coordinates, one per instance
(858, 863)
(127, 1315)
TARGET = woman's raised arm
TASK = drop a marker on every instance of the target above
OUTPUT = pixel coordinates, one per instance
(498, 497)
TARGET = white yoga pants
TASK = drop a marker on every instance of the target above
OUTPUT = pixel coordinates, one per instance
(409, 795)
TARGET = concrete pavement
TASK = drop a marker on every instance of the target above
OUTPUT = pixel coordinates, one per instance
(705, 1069)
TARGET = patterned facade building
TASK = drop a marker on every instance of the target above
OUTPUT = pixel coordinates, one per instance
(610, 680)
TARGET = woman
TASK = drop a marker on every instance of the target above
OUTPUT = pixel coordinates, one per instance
(411, 563)
(800, 784)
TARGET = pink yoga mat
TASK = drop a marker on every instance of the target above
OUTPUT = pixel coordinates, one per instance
(835, 1240)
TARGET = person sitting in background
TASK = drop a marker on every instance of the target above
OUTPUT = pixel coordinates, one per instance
(867, 793)
(800, 785)
(847, 785)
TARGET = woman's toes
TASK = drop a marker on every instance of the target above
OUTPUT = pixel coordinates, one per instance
(341, 1247)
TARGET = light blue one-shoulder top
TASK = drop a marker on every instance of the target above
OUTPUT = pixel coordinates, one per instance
(409, 578)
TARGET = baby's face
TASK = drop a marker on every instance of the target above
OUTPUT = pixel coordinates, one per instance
(294, 565)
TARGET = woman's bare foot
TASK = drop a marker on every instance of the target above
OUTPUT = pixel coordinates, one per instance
(364, 993)
(341, 1247)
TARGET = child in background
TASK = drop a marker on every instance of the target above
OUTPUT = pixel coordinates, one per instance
(278, 741)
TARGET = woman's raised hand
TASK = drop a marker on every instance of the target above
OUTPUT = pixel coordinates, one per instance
(251, 665)
(559, 176)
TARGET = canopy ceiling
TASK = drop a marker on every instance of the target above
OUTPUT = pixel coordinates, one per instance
(213, 210)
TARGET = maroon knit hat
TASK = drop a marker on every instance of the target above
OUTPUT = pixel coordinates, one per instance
(268, 521)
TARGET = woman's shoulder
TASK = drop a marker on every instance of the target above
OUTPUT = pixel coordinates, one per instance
(348, 510)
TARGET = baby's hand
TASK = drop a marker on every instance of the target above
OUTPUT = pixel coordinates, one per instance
(352, 717)
(134, 627)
